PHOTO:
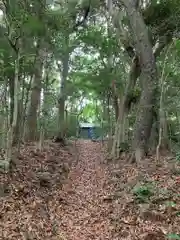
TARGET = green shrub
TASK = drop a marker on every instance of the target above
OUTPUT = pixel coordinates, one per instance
(173, 236)
(170, 204)
(143, 192)
(178, 156)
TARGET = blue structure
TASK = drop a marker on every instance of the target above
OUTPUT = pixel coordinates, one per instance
(87, 130)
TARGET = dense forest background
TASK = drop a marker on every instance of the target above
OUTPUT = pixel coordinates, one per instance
(66, 62)
(114, 64)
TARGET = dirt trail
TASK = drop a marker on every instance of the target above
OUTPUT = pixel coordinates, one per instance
(85, 215)
(75, 208)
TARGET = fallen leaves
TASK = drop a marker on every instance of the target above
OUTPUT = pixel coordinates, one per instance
(155, 219)
(86, 215)
(42, 199)
(28, 207)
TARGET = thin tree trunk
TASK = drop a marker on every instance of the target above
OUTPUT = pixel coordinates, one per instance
(62, 96)
(11, 91)
(10, 133)
(163, 142)
(35, 97)
(116, 107)
(3, 116)
(24, 127)
(17, 135)
(44, 109)
(124, 108)
(19, 132)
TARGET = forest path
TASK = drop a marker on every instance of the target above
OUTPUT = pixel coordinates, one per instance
(85, 215)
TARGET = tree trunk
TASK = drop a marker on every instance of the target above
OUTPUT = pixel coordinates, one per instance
(148, 78)
(35, 97)
(163, 142)
(19, 132)
(26, 98)
(116, 106)
(18, 129)
(123, 110)
(12, 127)
(62, 96)
(11, 92)
(136, 66)
(3, 115)
(44, 109)
(153, 141)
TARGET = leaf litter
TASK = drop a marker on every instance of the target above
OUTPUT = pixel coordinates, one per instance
(64, 194)
(156, 216)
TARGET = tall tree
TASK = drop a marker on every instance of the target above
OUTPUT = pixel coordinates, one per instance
(148, 77)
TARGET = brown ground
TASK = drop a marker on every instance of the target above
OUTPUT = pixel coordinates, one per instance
(86, 215)
(96, 201)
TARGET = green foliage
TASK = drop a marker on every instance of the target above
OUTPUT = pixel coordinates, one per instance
(161, 12)
(173, 236)
(35, 26)
(124, 147)
(96, 57)
(143, 192)
(72, 123)
(178, 157)
(170, 204)
(178, 214)
(177, 45)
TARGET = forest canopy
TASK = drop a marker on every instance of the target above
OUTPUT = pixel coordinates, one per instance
(114, 63)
